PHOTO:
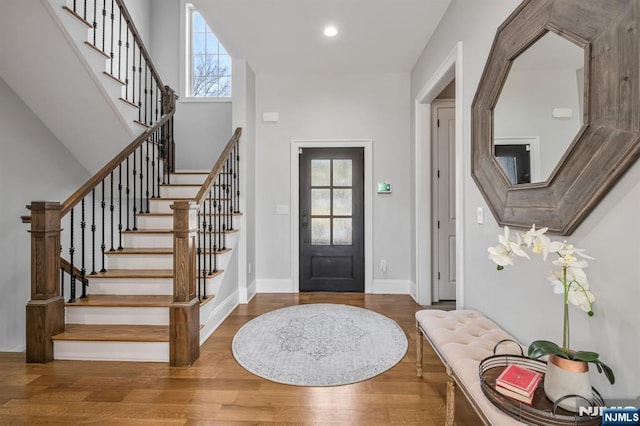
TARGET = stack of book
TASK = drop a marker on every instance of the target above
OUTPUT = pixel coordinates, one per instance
(518, 382)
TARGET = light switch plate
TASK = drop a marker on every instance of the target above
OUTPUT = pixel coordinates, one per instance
(282, 209)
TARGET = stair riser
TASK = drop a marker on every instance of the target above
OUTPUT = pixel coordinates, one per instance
(164, 206)
(131, 286)
(111, 351)
(179, 191)
(141, 261)
(189, 179)
(147, 240)
(155, 222)
(117, 315)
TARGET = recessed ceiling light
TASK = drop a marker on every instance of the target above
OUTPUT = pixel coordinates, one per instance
(330, 31)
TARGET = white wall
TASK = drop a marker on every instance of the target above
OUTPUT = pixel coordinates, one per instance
(325, 107)
(519, 298)
(202, 129)
(34, 166)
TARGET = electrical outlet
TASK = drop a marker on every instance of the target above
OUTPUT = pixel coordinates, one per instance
(383, 266)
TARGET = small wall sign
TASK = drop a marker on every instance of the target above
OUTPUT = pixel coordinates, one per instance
(384, 188)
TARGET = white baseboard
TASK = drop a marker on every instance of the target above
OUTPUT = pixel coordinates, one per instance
(246, 294)
(274, 286)
(391, 287)
(218, 315)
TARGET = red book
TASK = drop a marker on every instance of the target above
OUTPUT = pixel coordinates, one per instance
(514, 395)
(518, 379)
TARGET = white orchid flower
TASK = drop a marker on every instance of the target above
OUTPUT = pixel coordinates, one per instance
(500, 255)
(581, 298)
(532, 236)
(570, 261)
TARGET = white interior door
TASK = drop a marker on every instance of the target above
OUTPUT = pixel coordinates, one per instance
(444, 201)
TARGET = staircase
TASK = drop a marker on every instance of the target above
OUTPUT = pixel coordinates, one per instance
(126, 315)
(129, 266)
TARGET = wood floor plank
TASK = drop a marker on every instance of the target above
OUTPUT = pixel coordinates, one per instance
(217, 391)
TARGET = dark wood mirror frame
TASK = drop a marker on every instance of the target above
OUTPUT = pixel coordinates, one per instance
(609, 141)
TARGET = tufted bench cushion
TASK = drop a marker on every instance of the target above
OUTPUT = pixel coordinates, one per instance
(462, 339)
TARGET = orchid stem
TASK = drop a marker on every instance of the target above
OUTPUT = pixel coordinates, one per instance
(565, 329)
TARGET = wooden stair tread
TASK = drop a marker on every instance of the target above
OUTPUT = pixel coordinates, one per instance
(78, 17)
(96, 49)
(171, 214)
(134, 273)
(114, 300)
(114, 333)
(152, 250)
(170, 231)
(187, 172)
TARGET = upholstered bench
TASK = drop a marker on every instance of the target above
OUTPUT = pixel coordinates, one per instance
(462, 339)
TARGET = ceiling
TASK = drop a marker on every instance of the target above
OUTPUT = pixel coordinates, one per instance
(286, 36)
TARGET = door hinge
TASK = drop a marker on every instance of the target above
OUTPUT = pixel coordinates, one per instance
(299, 151)
(438, 174)
(438, 122)
(438, 275)
(438, 224)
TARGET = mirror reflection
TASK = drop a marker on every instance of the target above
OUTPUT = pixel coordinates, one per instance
(540, 109)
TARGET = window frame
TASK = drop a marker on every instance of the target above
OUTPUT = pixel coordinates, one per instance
(187, 57)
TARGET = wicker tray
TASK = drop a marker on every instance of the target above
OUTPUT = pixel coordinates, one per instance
(542, 410)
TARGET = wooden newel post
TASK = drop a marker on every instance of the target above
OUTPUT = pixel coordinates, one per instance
(184, 314)
(45, 310)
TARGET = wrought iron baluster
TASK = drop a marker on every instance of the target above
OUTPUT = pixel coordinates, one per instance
(147, 181)
(135, 174)
(93, 231)
(120, 45)
(238, 178)
(72, 250)
(133, 72)
(112, 17)
(219, 180)
(103, 246)
(84, 12)
(127, 194)
(111, 209)
(95, 22)
(203, 254)
(199, 258)
(212, 267)
(104, 24)
(61, 269)
(141, 177)
(83, 226)
(146, 95)
(126, 65)
(153, 164)
(139, 83)
(120, 206)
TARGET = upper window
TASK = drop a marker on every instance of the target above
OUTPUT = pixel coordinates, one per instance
(209, 63)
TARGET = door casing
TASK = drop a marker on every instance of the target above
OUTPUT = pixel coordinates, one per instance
(367, 144)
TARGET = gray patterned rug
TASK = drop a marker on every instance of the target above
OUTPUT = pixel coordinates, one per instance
(319, 345)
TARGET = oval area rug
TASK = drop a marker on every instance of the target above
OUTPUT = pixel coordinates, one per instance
(319, 345)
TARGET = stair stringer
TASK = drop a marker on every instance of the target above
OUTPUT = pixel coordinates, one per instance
(214, 312)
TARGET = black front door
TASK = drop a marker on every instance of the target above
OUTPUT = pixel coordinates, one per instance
(332, 219)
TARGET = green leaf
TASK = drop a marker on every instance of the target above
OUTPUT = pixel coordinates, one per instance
(608, 372)
(543, 347)
(585, 356)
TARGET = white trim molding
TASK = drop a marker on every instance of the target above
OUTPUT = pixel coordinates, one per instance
(217, 316)
(296, 145)
(451, 68)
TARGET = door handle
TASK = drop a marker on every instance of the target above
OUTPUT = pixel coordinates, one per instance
(305, 219)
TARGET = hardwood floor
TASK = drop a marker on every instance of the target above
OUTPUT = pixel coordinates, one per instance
(217, 391)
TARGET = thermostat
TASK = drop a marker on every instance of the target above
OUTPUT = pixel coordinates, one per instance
(384, 188)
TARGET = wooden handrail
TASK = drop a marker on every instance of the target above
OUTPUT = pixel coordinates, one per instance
(217, 167)
(66, 266)
(143, 49)
(85, 189)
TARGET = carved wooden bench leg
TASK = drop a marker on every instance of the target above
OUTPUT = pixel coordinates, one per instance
(451, 399)
(418, 350)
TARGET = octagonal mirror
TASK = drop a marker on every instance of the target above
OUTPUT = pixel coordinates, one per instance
(539, 110)
(586, 160)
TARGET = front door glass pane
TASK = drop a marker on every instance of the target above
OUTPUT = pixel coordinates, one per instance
(342, 172)
(342, 202)
(320, 172)
(342, 231)
(320, 202)
(320, 231)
